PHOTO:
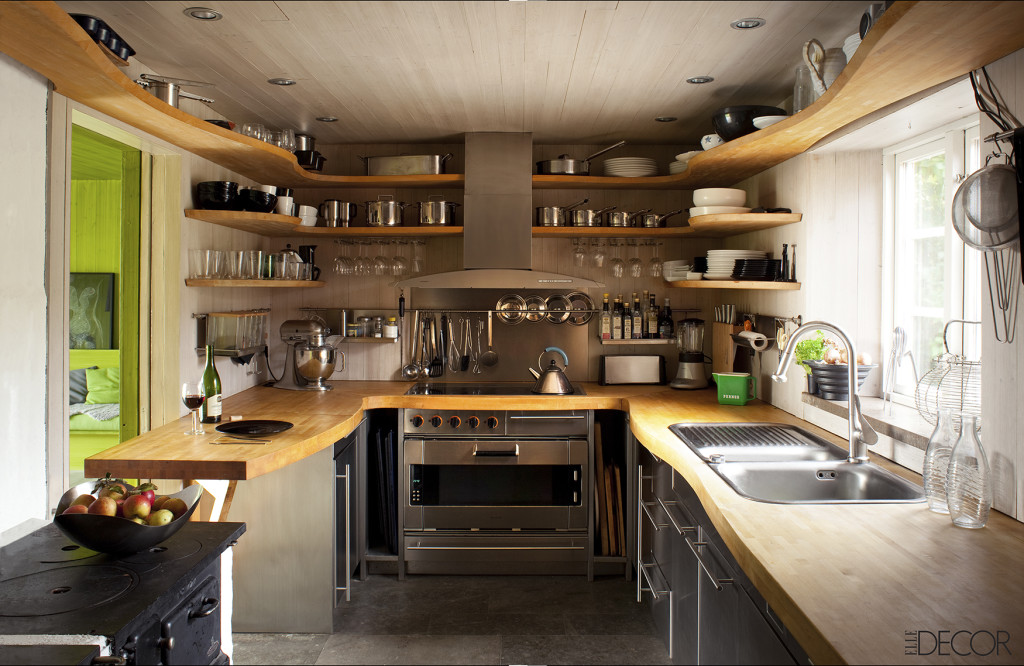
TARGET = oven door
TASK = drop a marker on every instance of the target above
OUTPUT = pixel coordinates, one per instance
(495, 484)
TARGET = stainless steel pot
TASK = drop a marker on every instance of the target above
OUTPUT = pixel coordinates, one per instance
(305, 142)
(554, 216)
(405, 165)
(384, 212)
(622, 218)
(169, 90)
(338, 213)
(435, 211)
(566, 166)
(653, 220)
(587, 217)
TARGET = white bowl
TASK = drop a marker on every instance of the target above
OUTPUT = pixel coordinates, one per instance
(767, 121)
(717, 210)
(306, 211)
(719, 196)
(308, 220)
(685, 157)
(709, 141)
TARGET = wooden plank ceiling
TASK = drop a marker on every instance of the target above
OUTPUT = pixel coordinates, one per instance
(406, 72)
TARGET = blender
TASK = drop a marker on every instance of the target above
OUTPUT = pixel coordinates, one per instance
(690, 340)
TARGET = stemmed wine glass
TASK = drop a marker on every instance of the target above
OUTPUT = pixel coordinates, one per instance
(616, 264)
(193, 395)
(579, 255)
(381, 264)
(399, 264)
(636, 266)
(597, 253)
(654, 263)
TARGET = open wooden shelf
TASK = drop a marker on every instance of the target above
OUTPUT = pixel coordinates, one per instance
(631, 341)
(609, 232)
(307, 284)
(273, 225)
(736, 284)
(720, 226)
(379, 341)
(913, 47)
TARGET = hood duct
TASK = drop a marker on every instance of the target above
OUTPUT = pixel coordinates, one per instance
(498, 215)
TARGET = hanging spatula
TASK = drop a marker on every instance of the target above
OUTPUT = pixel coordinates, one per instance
(436, 364)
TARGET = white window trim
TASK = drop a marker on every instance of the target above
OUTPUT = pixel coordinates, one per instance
(947, 133)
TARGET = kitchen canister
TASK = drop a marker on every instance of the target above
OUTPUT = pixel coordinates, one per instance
(735, 388)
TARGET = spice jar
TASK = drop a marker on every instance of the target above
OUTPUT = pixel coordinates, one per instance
(378, 327)
(365, 326)
(391, 328)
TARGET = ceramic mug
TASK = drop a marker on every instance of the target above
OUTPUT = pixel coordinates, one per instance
(285, 205)
(735, 388)
(709, 141)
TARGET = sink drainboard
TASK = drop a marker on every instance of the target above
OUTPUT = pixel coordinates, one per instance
(754, 441)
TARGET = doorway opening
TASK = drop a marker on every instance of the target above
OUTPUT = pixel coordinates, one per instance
(104, 281)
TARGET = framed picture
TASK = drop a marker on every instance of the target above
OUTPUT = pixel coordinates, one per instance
(92, 311)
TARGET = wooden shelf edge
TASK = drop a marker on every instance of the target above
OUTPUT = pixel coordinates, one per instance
(638, 342)
(298, 284)
(610, 232)
(379, 341)
(373, 232)
(735, 284)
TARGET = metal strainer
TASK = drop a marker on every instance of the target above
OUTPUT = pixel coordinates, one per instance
(985, 208)
(953, 383)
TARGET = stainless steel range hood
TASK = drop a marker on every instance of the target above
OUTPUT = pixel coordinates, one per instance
(498, 214)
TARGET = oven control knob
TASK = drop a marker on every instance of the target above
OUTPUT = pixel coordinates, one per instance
(455, 422)
(492, 422)
(435, 421)
(473, 422)
(417, 421)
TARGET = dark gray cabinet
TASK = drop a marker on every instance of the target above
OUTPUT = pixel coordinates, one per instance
(349, 519)
(704, 607)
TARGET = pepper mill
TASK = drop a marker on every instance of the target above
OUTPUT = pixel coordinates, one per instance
(783, 275)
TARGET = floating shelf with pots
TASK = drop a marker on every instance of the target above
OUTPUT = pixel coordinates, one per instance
(273, 225)
(201, 282)
(703, 226)
(913, 47)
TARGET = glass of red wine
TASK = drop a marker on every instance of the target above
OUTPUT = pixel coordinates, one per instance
(193, 395)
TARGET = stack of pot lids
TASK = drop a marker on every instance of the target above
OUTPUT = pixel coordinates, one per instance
(630, 167)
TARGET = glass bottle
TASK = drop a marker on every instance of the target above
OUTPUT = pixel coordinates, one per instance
(617, 319)
(969, 480)
(638, 321)
(803, 90)
(665, 324)
(627, 321)
(936, 462)
(210, 410)
(606, 320)
(652, 318)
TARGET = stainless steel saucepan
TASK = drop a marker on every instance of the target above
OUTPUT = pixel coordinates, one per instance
(587, 217)
(566, 166)
(554, 216)
(385, 212)
(653, 220)
(623, 218)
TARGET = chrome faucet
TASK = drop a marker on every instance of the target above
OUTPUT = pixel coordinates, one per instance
(861, 432)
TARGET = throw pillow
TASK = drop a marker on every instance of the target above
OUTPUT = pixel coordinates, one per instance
(104, 386)
(77, 386)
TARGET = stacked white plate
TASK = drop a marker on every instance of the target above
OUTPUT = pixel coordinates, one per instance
(850, 45)
(675, 270)
(677, 167)
(630, 167)
(722, 262)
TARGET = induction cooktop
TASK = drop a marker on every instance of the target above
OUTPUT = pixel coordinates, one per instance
(481, 388)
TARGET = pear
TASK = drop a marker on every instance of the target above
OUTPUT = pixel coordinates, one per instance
(175, 505)
(83, 500)
(160, 517)
(104, 506)
(76, 508)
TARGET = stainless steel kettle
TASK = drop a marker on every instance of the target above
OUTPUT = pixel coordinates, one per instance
(552, 380)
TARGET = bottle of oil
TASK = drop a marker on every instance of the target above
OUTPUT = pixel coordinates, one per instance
(638, 319)
(617, 319)
(606, 320)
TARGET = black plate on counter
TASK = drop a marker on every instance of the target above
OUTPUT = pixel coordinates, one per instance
(254, 427)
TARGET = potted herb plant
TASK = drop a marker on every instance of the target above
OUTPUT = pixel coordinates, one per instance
(810, 349)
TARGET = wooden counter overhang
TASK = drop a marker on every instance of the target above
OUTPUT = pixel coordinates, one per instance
(854, 584)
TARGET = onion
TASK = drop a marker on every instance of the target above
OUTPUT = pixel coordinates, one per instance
(832, 356)
(864, 358)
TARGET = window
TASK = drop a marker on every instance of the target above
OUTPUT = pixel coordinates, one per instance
(932, 277)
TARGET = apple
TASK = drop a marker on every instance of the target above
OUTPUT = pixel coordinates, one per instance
(83, 500)
(175, 505)
(147, 489)
(158, 503)
(76, 508)
(120, 507)
(136, 506)
(104, 506)
(160, 517)
(114, 491)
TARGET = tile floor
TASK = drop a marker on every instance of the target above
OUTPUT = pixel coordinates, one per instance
(474, 620)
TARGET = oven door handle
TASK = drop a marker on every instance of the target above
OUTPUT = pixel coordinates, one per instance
(559, 417)
(477, 451)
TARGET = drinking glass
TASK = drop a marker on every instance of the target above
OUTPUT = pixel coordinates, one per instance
(579, 256)
(381, 264)
(252, 265)
(364, 266)
(636, 266)
(654, 263)
(288, 140)
(417, 257)
(597, 253)
(193, 395)
(399, 264)
(617, 265)
(235, 270)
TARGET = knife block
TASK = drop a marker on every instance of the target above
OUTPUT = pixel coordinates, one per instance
(723, 349)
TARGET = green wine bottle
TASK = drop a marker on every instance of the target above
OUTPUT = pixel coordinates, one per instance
(211, 410)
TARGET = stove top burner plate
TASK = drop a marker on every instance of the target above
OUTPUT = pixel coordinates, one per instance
(57, 548)
(64, 589)
(167, 551)
(493, 388)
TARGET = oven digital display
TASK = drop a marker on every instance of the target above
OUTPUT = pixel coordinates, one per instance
(495, 485)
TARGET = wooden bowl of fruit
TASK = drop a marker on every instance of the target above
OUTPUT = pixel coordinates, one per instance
(110, 516)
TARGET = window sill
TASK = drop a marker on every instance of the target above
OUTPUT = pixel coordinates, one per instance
(903, 424)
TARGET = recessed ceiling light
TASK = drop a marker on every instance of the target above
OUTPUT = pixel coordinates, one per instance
(748, 23)
(203, 14)
(327, 119)
(282, 82)
(666, 119)
(697, 80)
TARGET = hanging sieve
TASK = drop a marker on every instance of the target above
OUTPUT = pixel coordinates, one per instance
(953, 383)
(985, 208)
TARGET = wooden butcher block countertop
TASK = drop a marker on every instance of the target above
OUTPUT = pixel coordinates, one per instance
(848, 581)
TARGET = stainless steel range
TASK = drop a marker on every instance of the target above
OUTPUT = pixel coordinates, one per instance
(495, 491)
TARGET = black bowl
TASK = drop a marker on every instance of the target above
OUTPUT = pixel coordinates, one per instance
(832, 380)
(220, 123)
(257, 201)
(217, 185)
(108, 534)
(733, 122)
(218, 195)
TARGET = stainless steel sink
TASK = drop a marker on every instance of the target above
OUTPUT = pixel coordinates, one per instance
(758, 442)
(771, 462)
(814, 482)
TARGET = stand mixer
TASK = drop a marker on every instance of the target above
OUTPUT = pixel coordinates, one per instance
(310, 361)
(690, 340)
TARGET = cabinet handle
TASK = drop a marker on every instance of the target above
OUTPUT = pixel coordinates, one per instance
(679, 528)
(656, 525)
(650, 584)
(214, 604)
(717, 582)
(536, 417)
(348, 539)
